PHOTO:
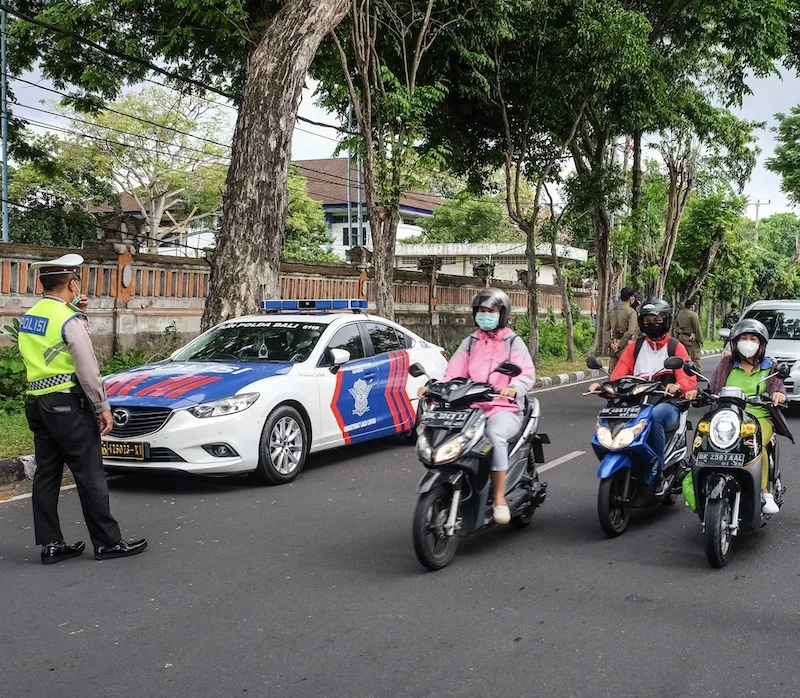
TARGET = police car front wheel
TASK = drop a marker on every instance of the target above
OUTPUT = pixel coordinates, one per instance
(283, 447)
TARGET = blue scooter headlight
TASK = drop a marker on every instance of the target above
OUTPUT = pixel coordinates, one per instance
(624, 438)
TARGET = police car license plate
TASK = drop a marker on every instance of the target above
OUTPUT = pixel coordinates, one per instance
(123, 450)
(620, 412)
(446, 419)
(712, 458)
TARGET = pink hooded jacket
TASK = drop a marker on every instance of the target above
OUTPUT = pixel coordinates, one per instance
(481, 353)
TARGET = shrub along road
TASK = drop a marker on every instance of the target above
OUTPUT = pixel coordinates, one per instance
(313, 589)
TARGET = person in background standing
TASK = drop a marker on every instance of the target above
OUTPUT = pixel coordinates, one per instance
(732, 316)
(67, 412)
(689, 332)
(621, 325)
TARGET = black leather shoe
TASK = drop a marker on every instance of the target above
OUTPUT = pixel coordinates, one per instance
(56, 552)
(121, 549)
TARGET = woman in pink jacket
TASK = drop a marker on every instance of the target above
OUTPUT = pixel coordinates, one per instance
(477, 359)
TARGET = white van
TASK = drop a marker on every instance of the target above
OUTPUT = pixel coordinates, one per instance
(782, 319)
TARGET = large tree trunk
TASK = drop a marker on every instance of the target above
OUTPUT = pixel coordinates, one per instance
(246, 264)
(602, 240)
(533, 289)
(383, 244)
(565, 303)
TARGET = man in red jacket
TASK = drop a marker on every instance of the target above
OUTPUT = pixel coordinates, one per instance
(645, 358)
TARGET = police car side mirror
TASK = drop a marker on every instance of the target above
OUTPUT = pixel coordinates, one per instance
(724, 333)
(509, 368)
(674, 363)
(338, 358)
(416, 371)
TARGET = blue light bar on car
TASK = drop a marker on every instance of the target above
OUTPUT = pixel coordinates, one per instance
(283, 306)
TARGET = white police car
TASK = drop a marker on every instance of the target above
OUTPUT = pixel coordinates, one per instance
(259, 393)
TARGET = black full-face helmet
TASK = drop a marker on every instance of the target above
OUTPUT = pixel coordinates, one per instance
(655, 306)
(496, 299)
(749, 326)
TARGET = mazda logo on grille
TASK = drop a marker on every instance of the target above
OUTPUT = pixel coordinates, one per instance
(121, 418)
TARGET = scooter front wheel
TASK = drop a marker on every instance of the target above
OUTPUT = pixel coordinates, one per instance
(611, 510)
(718, 537)
(434, 548)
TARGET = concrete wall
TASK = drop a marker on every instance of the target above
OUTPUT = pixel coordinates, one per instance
(133, 300)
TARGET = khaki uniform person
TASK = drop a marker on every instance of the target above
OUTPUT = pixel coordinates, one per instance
(622, 325)
(67, 411)
(688, 331)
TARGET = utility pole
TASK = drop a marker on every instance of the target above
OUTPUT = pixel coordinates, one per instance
(4, 98)
(758, 204)
(349, 191)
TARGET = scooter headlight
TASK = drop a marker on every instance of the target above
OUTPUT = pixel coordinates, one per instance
(604, 437)
(423, 449)
(452, 449)
(725, 428)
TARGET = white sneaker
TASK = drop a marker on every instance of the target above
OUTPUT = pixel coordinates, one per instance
(769, 504)
(502, 514)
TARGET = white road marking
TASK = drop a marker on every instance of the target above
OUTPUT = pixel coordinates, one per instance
(559, 461)
(16, 498)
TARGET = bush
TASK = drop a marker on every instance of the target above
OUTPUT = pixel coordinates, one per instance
(13, 381)
(553, 334)
(125, 360)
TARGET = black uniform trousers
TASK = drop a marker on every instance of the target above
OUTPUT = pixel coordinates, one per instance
(65, 430)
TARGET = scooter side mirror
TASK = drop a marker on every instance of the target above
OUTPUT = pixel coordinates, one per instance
(783, 371)
(690, 369)
(416, 371)
(674, 363)
(594, 363)
(509, 368)
(724, 334)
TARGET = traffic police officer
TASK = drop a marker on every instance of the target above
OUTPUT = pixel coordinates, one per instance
(689, 332)
(67, 411)
(622, 325)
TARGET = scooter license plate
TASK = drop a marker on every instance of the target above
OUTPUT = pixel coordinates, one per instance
(728, 460)
(446, 419)
(618, 412)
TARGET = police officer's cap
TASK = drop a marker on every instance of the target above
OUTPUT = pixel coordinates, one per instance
(62, 265)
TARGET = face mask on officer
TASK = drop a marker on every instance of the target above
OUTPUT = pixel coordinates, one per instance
(77, 297)
(487, 321)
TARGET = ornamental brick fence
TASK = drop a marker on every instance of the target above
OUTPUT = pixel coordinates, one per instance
(133, 299)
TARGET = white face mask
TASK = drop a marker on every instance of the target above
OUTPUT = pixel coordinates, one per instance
(747, 348)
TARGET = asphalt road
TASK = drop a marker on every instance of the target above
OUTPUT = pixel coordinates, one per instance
(313, 589)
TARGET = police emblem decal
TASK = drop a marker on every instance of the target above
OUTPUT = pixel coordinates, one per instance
(360, 393)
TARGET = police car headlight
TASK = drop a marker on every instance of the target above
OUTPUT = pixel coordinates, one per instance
(225, 406)
(725, 429)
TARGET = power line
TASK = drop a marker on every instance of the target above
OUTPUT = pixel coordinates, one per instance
(126, 115)
(144, 63)
(115, 130)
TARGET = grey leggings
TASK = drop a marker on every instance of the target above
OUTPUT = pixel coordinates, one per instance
(501, 427)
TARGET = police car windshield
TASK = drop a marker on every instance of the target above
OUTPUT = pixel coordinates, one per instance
(781, 324)
(275, 342)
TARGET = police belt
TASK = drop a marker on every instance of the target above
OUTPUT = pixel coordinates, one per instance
(52, 382)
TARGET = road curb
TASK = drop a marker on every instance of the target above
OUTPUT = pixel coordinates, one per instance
(578, 376)
(15, 469)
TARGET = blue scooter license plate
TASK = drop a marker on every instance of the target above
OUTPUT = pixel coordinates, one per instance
(446, 419)
(620, 412)
(728, 460)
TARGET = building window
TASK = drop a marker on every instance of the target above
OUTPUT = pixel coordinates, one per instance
(478, 260)
(518, 260)
(407, 220)
(350, 237)
(410, 261)
(448, 261)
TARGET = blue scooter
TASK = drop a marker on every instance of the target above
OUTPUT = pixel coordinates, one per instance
(628, 466)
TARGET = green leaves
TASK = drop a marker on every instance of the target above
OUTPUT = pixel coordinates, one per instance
(307, 235)
(786, 160)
